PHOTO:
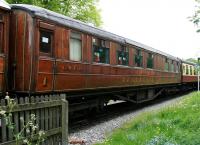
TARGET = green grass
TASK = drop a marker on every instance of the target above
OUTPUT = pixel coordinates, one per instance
(177, 124)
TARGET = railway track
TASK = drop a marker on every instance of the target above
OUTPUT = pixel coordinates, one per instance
(113, 111)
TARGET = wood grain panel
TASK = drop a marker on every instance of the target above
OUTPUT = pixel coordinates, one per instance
(85, 49)
(44, 82)
(68, 67)
(189, 79)
(113, 55)
(46, 66)
(89, 49)
(69, 81)
(2, 67)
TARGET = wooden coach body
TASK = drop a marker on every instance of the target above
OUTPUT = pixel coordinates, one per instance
(189, 73)
(4, 44)
(53, 53)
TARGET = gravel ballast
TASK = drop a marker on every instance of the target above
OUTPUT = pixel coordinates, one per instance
(97, 133)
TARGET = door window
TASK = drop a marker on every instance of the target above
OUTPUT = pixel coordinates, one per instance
(46, 42)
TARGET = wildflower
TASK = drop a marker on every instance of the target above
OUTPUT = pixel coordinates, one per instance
(34, 127)
(2, 112)
(7, 97)
(33, 117)
(25, 141)
(27, 130)
(41, 133)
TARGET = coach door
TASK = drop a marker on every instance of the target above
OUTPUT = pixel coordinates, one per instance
(4, 31)
(46, 58)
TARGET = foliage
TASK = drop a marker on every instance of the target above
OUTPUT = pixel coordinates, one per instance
(193, 60)
(196, 17)
(28, 128)
(177, 124)
(83, 10)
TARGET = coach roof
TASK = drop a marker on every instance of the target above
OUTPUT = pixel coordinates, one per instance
(4, 5)
(72, 23)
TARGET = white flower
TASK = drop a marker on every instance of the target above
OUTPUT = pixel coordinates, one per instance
(7, 97)
(25, 141)
(27, 130)
(2, 112)
(33, 117)
(34, 128)
(41, 133)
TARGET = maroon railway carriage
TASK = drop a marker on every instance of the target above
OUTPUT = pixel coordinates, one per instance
(189, 73)
(4, 38)
(52, 53)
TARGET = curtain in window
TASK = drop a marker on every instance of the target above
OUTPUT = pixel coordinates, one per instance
(75, 49)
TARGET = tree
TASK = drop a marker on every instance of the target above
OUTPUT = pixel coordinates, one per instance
(193, 60)
(196, 17)
(83, 10)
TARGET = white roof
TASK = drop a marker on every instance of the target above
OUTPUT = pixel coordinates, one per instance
(4, 5)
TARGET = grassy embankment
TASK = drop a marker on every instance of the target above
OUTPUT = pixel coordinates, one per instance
(177, 124)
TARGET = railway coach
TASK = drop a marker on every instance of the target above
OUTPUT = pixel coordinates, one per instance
(50, 53)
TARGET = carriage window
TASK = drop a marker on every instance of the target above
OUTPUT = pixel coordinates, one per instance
(187, 70)
(101, 51)
(191, 71)
(150, 61)
(75, 47)
(1, 38)
(166, 65)
(195, 71)
(177, 67)
(184, 72)
(172, 66)
(46, 38)
(138, 58)
(122, 55)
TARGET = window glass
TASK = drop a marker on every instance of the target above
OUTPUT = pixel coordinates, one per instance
(46, 41)
(187, 70)
(184, 71)
(172, 66)
(176, 66)
(138, 58)
(122, 55)
(75, 47)
(1, 38)
(166, 64)
(150, 60)
(191, 71)
(195, 71)
(101, 51)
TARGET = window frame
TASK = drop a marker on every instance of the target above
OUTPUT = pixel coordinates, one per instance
(152, 60)
(81, 40)
(187, 69)
(98, 43)
(125, 50)
(191, 70)
(50, 53)
(140, 58)
(166, 64)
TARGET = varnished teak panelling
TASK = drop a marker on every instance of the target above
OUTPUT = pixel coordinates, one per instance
(36, 72)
